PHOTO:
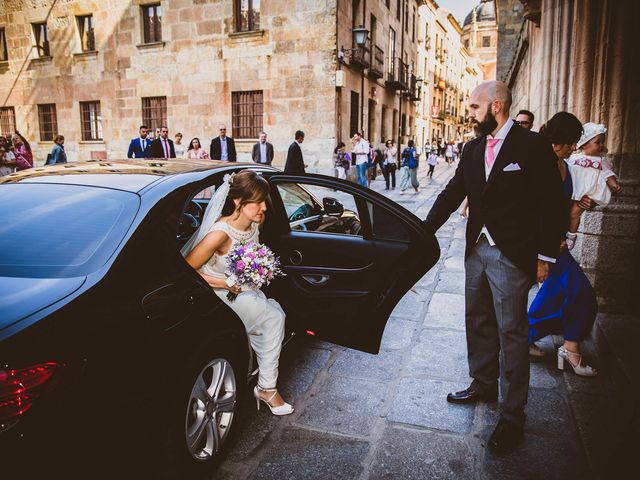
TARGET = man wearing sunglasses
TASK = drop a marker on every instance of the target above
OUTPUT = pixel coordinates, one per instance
(223, 147)
(525, 119)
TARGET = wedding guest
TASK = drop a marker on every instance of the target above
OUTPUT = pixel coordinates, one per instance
(22, 152)
(7, 159)
(58, 155)
(223, 147)
(295, 162)
(566, 303)
(162, 147)
(178, 146)
(525, 119)
(592, 175)
(195, 150)
(138, 147)
(389, 164)
(262, 151)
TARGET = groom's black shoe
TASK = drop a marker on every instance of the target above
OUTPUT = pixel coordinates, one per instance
(505, 437)
(470, 396)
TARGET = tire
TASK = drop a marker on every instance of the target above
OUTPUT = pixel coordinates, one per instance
(204, 409)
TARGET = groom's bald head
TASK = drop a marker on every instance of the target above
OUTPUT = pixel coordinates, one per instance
(489, 104)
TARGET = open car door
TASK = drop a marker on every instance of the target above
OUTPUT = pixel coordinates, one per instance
(349, 254)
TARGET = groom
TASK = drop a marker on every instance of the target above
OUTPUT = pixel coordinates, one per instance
(516, 215)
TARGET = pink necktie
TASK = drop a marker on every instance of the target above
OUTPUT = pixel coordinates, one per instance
(166, 150)
(491, 143)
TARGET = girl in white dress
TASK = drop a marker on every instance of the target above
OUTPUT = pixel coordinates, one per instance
(591, 174)
(233, 215)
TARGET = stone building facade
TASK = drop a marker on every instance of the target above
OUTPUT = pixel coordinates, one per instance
(450, 74)
(94, 70)
(480, 36)
(581, 57)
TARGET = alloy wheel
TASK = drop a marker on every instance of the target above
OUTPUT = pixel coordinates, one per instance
(210, 409)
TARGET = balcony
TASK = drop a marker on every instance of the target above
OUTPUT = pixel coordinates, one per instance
(398, 75)
(415, 89)
(360, 57)
(376, 70)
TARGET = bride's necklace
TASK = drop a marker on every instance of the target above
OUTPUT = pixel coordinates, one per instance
(241, 235)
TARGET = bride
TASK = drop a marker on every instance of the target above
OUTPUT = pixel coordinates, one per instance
(233, 215)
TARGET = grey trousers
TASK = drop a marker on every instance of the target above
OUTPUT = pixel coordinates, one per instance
(497, 327)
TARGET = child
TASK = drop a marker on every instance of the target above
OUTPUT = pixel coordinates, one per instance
(432, 160)
(591, 175)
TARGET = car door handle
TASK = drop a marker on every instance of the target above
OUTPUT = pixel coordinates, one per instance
(316, 279)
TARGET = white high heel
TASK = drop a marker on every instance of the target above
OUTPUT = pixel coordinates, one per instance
(284, 409)
(583, 371)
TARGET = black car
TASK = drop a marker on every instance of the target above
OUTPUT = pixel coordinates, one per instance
(105, 328)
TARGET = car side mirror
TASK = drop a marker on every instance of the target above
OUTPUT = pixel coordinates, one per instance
(332, 207)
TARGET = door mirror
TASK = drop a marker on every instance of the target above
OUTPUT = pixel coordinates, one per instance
(332, 207)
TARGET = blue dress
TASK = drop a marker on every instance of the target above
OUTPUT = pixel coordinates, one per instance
(566, 302)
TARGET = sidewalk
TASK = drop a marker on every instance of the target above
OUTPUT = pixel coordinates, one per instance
(362, 416)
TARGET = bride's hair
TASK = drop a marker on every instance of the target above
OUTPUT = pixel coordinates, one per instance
(247, 186)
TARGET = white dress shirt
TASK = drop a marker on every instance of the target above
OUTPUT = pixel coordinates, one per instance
(224, 153)
(360, 150)
(500, 136)
(263, 152)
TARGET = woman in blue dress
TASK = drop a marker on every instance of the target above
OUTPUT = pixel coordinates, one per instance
(566, 302)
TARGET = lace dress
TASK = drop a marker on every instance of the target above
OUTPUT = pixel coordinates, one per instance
(262, 317)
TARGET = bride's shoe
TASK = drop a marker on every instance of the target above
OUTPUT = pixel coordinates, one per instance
(284, 409)
(582, 370)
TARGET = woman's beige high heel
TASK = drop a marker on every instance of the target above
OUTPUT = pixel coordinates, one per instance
(582, 370)
(284, 409)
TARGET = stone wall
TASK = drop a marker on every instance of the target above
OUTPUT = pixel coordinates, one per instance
(510, 21)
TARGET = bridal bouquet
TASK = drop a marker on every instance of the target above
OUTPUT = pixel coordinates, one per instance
(251, 265)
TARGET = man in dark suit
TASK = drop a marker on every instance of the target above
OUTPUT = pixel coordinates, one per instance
(262, 151)
(162, 147)
(295, 164)
(138, 147)
(516, 214)
(223, 147)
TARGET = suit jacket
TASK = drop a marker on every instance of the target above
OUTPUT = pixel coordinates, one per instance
(523, 209)
(136, 150)
(215, 150)
(157, 151)
(255, 153)
(294, 163)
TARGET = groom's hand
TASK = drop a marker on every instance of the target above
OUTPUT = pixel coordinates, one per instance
(543, 271)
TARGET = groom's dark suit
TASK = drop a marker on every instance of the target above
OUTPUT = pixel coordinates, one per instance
(522, 207)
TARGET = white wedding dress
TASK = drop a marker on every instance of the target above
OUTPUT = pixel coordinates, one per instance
(263, 317)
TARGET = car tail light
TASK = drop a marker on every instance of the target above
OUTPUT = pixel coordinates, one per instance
(21, 387)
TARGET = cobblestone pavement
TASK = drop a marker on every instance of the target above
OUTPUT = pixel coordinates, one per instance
(385, 416)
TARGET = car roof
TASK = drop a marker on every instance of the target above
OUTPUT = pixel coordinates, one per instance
(129, 174)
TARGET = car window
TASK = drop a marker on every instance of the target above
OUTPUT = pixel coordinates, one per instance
(385, 225)
(55, 231)
(312, 208)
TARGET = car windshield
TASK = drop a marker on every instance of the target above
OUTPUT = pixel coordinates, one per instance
(54, 231)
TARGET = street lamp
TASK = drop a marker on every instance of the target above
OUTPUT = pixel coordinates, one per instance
(360, 35)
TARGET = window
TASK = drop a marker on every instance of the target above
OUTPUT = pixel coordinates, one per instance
(406, 17)
(392, 52)
(91, 120)
(388, 3)
(152, 23)
(385, 225)
(7, 121)
(4, 53)
(41, 36)
(307, 213)
(86, 32)
(486, 41)
(413, 26)
(48, 120)
(466, 43)
(154, 112)
(398, 10)
(246, 114)
(247, 14)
